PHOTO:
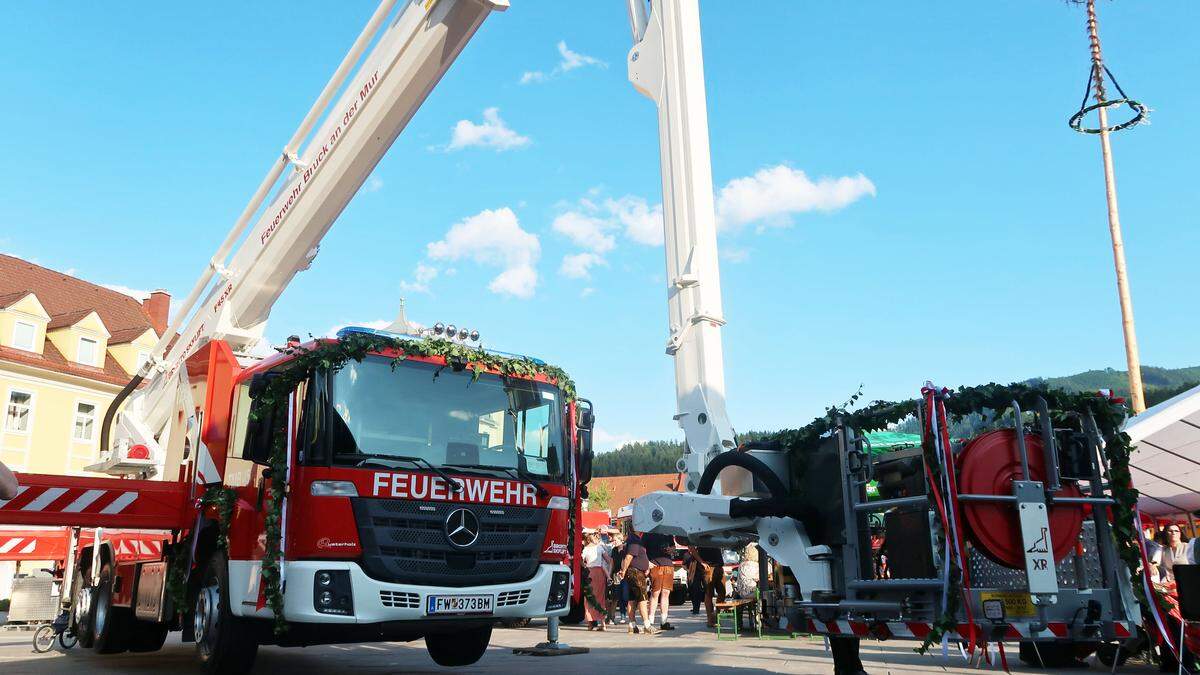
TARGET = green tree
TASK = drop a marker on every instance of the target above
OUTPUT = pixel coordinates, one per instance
(599, 497)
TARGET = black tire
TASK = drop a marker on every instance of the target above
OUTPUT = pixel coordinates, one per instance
(145, 636)
(67, 639)
(224, 643)
(43, 639)
(82, 597)
(110, 624)
(458, 649)
(1108, 652)
(574, 616)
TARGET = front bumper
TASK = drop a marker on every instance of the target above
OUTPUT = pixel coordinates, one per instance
(379, 602)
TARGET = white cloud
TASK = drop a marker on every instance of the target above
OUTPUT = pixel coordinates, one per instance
(492, 133)
(570, 60)
(774, 194)
(494, 238)
(735, 255)
(585, 231)
(577, 265)
(604, 440)
(643, 223)
(135, 293)
(586, 292)
(422, 275)
(589, 223)
(373, 185)
(518, 281)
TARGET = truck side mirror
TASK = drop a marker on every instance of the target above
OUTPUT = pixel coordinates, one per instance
(586, 414)
(260, 429)
(583, 440)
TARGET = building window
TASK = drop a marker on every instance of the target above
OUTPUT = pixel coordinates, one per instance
(87, 351)
(85, 421)
(23, 334)
(20, 409)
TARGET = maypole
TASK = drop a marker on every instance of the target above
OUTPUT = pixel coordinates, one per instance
(1101, 106)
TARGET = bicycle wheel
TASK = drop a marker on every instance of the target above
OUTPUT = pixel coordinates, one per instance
(43, 639)
(67, 639)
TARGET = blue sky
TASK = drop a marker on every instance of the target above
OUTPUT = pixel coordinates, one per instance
(966, 241)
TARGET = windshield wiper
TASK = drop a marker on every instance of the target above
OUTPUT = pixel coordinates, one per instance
(515, 473)
(455, 486)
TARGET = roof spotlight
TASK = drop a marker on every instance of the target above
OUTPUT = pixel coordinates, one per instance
(438, 328)
(475, 335)
(462, 333)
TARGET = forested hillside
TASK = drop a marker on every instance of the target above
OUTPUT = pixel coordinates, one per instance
(645, 457)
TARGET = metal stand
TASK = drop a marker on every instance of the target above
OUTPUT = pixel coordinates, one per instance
(551, 647)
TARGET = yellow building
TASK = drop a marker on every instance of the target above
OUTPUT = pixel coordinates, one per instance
(66, 348)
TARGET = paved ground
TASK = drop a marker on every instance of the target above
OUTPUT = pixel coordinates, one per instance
(691, 649)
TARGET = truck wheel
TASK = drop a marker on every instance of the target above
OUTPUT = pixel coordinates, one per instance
(110, 624)
(458, 649)
(82, 596)
(574, 615)
(224, 643)
(145, 636)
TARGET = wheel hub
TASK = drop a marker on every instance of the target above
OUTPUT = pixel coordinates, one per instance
(204, 619)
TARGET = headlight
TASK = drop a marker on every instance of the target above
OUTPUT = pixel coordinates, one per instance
(560, 591)
(332, 592)
(333, 488)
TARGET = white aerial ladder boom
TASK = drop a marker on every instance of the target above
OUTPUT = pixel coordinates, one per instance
(666, 64)
(233, 297)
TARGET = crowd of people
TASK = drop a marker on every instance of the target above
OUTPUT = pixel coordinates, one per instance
(631, 576)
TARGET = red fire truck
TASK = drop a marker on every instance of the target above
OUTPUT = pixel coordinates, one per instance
(420, 496)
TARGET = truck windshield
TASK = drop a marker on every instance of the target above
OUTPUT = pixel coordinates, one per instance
(378, 412)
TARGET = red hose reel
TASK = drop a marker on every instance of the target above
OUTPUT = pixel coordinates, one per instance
(988, 466)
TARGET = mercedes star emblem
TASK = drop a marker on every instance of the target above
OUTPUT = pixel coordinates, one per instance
(462, 527)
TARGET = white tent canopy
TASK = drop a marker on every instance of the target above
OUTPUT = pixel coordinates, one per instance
(1166, 459)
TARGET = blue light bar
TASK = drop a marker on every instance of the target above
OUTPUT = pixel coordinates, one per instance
(350, 330)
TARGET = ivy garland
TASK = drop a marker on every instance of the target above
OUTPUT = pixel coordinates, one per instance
(590, 598)
(222, 499)
(330, 356)
(996, 399)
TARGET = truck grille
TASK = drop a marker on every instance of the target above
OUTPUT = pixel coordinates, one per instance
(400, 599)
(512, 598)
(405, 542)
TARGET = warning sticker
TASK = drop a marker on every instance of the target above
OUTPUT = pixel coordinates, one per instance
(1016, 603)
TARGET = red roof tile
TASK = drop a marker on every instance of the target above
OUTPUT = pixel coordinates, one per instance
(623, 489)
(67, 300)
(65, 296)
(6, 300)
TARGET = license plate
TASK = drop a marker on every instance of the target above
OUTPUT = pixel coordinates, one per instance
(459, 604)
(1016, 603)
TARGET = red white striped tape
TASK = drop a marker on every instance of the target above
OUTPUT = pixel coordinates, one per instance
(918, 630)
(45, 499)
